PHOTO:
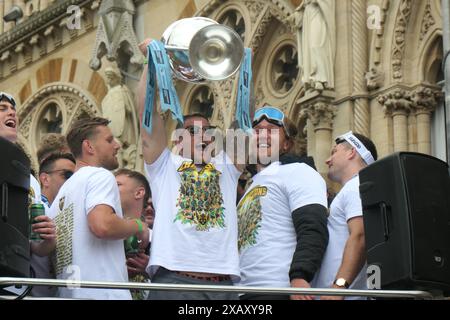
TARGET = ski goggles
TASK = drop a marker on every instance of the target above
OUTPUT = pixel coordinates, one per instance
(358, 145)
(272, 115)
(8, 97)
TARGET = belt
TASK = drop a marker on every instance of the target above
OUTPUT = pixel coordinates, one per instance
(211, 278)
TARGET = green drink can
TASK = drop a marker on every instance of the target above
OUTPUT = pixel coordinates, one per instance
(36, 210)
(131, 245)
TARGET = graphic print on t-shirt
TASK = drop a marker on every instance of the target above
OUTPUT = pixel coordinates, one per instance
(64, 232)
(249, 216)
(200, 200)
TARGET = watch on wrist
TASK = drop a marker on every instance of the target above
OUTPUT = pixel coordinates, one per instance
(341, 282)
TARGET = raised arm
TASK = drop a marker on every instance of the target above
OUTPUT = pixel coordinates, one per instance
(152, 145)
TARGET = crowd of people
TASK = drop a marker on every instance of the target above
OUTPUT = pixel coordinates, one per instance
(198, 224)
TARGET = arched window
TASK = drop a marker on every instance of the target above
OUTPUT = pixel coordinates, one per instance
(50, 121)
(234, 20)
(284, 69)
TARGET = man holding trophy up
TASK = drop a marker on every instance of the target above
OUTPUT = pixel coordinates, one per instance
(195, 231)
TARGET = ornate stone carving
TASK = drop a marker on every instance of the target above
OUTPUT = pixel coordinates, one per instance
(396, 101)
(375, 79)
(404, 13)
(256, 8)
(427, 22)
(70, 103)
(226, 88)
(54, 115)
(25, 127)
(321, 114)
(261, 31)
(283, 9)
(57, 89)
(115, 32)
(425, 99)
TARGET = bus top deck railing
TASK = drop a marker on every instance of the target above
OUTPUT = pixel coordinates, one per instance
(421, 295)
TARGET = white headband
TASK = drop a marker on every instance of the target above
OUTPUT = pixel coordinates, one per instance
(359, 146)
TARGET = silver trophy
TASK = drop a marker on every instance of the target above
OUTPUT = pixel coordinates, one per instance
(200, 49)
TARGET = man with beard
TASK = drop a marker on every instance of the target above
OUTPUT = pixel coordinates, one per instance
(88, 215)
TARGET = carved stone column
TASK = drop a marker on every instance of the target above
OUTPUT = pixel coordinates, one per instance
(320, 113)
(360, 66)
(425, 101)
(397, 104)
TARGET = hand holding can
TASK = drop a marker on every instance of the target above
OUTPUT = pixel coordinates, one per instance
(36, 210)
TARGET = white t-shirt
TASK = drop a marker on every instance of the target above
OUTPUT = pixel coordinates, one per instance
(185, 238)
(267, 237)
(80, 255)
(345, 206)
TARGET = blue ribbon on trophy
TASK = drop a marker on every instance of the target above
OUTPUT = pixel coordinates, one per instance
(159, 72)
(244, 92)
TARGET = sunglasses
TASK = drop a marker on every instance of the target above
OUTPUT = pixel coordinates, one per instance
(272, 115)
(64, 173)
(193, 130)
(8, 97)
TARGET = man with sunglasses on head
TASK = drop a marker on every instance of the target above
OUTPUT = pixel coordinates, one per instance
(282, 217)
(343, 264)
(194, 192)
(44, 226)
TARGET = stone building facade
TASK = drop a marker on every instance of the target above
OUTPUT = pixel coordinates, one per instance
(381, 67)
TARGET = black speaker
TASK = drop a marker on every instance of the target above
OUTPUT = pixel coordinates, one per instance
(14, 186)
(406, 208)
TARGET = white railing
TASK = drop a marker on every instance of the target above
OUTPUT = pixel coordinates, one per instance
(5, 282)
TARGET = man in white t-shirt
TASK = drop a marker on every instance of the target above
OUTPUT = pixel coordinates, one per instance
(195, 229)
(44, 226)
(344, 263)
(283, 214)
(88, 216)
